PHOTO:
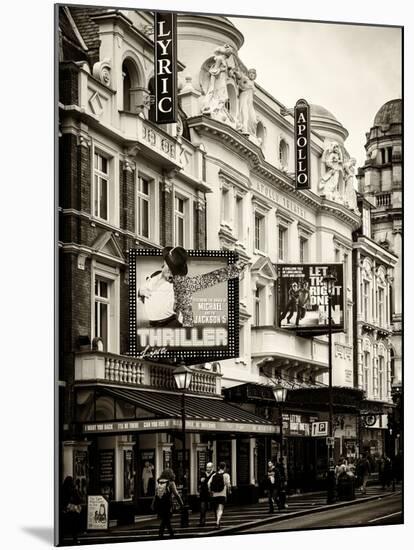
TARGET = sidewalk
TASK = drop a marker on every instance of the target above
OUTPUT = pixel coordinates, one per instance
(235, 518)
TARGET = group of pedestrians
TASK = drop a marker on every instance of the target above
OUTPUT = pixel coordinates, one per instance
(214, 489)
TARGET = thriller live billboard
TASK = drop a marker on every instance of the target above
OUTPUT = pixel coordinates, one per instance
(303, 299)
(183, 304)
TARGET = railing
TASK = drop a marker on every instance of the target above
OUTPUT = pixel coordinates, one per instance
(124, 370)
(127, 370)
(384, 199)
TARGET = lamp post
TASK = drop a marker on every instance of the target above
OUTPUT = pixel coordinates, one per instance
(182, 376)
(280, 393)
(330, 281)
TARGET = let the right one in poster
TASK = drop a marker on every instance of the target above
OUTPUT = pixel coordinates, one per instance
(303, 297)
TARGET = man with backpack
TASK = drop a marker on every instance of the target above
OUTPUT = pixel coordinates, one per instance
(162, 503)
(204, 492)
(219, 486)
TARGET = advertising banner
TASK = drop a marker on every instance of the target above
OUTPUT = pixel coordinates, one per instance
(184, 304)
(303, 298)
(165, 61)
(302, 145)
(97, 512)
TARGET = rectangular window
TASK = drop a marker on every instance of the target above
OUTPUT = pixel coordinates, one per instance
(102, 312)
(381, 377)
(366, 300)
(381, 316)
(383, 156)
(257, 306)
(143, 207)
(303, 250)
(282, 243)
(259, 232)
(365, 377)
(225, 205)
(180, 214)
(101, 186)
(238, 226)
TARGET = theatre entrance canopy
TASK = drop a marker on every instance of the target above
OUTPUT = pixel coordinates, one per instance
(104, 410)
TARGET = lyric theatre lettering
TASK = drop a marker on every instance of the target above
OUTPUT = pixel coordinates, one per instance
(165, 60)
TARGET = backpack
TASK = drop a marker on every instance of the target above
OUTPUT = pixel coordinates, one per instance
(217, 483)
(162, 499)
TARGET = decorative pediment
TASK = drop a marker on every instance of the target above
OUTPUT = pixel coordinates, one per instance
(107, 245)
(263, 267)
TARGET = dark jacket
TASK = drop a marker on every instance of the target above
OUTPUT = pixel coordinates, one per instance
(203, 486)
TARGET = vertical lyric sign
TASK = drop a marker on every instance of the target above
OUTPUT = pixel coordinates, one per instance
(165, 61)
(302, 145)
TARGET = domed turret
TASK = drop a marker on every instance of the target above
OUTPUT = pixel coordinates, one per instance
(390, 113)
(326, 124)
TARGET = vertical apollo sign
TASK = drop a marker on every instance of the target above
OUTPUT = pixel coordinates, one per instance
(302, 145)
(165, 62)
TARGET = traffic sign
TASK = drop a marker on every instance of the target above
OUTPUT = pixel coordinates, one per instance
(330, 441)
(319, 429)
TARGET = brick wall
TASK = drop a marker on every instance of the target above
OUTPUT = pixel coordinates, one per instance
(166, 214)
(68, 84)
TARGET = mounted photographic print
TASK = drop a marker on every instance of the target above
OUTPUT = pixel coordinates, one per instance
(229, 249)
(183, 304)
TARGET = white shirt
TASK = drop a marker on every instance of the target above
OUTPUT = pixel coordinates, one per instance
(160, 303)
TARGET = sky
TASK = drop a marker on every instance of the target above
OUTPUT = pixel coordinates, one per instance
(351, 70)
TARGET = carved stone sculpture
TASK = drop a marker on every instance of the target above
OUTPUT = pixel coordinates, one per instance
(247, 119)
(331, 184)
(102, 71)
(349, 176)
(217, 95)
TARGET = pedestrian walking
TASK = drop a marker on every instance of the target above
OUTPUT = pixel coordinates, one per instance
(162, 502)
(271, 485)
(281, 484)
(363, 470)
(386, 472)
(205, 492)
(219, 486)
(71, 508)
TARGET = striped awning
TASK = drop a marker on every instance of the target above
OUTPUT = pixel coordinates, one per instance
(164, 408)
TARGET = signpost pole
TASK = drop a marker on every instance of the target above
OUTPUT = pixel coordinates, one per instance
(331, 465)
(184, 511)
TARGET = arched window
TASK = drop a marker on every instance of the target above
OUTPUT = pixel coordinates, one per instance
(131, 91)
(151, 89)
(260, 132)
(283, 154)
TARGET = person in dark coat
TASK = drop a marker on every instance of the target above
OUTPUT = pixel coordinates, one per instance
(363, 470)
(71, 508)
(204, 492)
(281, 484)
(164, 492)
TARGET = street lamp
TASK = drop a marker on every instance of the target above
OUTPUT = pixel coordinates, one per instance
(330, 281)
(182, 376)
(280, 393)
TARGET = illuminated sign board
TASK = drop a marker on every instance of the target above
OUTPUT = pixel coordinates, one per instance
(302, 145)
(165, 70)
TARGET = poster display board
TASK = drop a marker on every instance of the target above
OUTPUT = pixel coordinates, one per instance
(303, 298)
(97, 512)
(184, 304)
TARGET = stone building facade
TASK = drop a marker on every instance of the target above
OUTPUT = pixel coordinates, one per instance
(221, 177)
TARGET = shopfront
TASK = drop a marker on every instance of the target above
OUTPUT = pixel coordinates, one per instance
(131, 435)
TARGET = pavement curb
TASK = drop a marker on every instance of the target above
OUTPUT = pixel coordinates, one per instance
(291, 515)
